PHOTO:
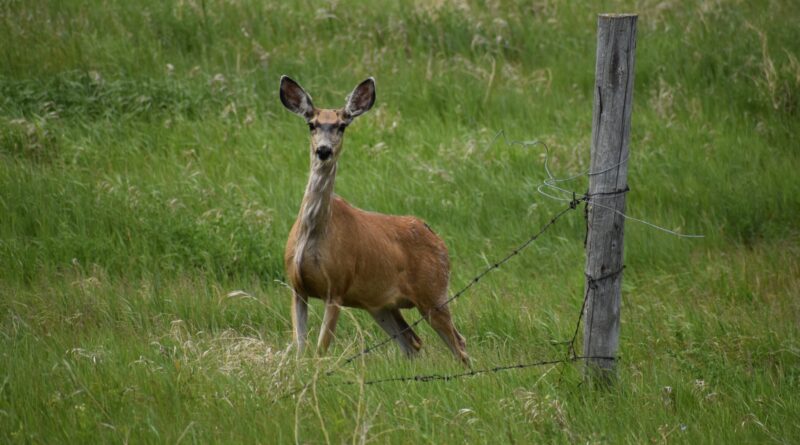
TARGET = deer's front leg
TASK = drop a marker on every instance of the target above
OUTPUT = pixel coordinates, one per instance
(299, 320)
(332, 309)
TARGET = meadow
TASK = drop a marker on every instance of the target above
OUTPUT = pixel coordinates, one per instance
(149, 177)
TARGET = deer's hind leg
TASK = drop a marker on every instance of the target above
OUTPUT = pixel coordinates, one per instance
(412, 337)
(393, 323)
(441, 321)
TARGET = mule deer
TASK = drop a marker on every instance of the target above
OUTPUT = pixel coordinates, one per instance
(349, 257)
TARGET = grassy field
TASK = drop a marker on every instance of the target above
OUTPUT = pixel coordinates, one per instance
(148, 171)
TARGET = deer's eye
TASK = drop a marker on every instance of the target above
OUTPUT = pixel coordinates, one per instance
(341, 127)
(312, 126)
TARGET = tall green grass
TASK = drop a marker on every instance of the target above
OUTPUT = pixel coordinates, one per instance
(148, 171)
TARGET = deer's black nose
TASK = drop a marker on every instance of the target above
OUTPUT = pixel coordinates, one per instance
(324, 152)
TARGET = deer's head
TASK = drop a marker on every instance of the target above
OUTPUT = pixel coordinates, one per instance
(327, 125)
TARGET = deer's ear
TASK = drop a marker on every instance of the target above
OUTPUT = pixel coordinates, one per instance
(295, 99)
(360, 100)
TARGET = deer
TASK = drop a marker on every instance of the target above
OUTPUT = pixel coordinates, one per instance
(348, 257)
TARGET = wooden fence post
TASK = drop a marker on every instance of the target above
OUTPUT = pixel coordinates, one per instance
(611, 127)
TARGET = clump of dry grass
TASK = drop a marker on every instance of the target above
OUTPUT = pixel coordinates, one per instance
(234, 354)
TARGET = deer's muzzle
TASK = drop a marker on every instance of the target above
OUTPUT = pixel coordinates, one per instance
(324, 152)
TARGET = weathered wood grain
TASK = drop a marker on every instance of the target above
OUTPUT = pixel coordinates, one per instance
(611, 127)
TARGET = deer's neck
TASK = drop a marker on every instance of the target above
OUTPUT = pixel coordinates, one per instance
(315, 211)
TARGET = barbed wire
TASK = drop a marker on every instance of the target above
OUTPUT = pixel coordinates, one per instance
(573, 202)
(570, 357)
(469, 284)
(473, 372)
(591, 282)
(472, 282)
(571, 353)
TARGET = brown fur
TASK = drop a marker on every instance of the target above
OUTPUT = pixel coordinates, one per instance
(372, 261)
(349, 257)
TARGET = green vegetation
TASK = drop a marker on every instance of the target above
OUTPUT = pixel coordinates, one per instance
(148, 171)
